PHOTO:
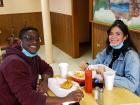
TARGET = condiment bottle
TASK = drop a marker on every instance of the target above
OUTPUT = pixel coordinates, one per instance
(88, 81)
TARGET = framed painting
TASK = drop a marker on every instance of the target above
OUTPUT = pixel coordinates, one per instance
(106, 11)
(1, 3)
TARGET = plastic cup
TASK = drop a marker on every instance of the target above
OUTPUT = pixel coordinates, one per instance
(63, 69)
(109, 79)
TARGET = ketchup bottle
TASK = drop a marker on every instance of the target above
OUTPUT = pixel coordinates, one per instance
(88, 81)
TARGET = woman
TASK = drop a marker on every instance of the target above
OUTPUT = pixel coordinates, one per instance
(19, 73)
(121, 55)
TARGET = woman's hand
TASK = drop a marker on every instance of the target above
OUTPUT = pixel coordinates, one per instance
(100, 70)
(74, 96)
(83, 65)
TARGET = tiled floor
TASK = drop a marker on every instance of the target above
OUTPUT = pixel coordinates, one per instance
(59, 56)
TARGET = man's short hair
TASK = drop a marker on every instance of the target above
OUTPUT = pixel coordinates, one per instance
(24, 30)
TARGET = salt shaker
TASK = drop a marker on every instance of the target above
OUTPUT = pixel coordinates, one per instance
(100, 96)
(96, 92)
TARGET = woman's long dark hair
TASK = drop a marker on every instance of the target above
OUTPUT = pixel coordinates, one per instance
(128, 43)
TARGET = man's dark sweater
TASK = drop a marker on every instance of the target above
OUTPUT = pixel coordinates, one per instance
(18, 78)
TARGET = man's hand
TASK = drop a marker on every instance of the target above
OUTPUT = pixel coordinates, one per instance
(75, 96)
(42, 87)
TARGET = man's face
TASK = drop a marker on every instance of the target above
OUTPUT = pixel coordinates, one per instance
(31, 41)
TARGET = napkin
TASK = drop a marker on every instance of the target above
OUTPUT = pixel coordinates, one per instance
(54, 86)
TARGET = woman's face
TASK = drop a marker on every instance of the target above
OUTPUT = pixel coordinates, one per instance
(116, 36)
(31, 41)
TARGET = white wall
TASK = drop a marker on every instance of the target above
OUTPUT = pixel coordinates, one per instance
(58, 6)
(20, 6)
(27, 6)
(61, 6)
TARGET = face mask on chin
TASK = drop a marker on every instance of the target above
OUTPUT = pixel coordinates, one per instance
(117, 46)
(28, 54)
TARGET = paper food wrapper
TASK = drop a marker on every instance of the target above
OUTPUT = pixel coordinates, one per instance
(54, 86)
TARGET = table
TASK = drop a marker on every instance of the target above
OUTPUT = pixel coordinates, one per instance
(118, 96)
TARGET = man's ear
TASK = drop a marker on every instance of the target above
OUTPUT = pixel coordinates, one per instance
(19, 41)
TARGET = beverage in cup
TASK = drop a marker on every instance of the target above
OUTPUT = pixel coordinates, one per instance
(109, 79)
(63, 69)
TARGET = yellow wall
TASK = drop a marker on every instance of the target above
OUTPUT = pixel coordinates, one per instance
(20, 6)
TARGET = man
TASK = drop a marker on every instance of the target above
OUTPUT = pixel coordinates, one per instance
(19, 73)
